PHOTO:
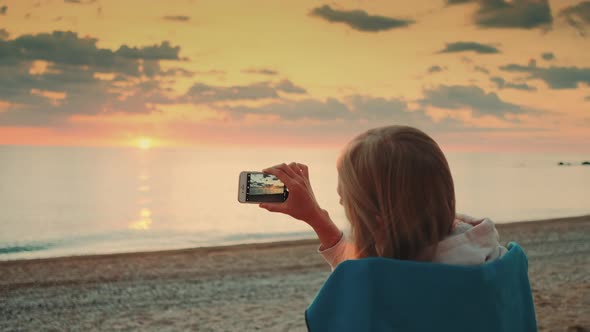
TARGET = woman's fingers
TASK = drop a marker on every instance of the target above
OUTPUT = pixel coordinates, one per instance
(291, 174)
(280, 174)
(290, 170)
(304, 170)
(272, 207)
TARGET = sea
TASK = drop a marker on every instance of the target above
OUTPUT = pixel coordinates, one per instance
(65, 201)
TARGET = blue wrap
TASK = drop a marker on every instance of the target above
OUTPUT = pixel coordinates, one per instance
(380, 294)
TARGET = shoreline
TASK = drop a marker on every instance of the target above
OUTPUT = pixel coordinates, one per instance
(260, 286)
(274, 244)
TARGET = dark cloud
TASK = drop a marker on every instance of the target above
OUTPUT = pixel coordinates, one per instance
(587, 98)
(330, 109)
(204, 93)
(177, 72)
(481, 69)
(261, 71)
(391, 110)
(469, 97)
(577, 16)
(555, 77)
(289, 87)
(65, 47)
(213, 72)
(81, 93)
(3, 10)
(524, 14)
(435, 69)
(520, 14)
(359, 19)
(457, 2)
(4, 34)
(164, 51)
(548, 56)
(80, 2)
(502, 84)
(177, 18)
(72, 78)
(352, 110)
(469, 47)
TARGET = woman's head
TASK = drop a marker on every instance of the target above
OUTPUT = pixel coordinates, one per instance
(397, 192)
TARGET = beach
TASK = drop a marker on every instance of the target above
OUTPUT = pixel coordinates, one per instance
(252, 286)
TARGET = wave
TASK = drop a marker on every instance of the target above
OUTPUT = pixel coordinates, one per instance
(127, 241)
(24, 248)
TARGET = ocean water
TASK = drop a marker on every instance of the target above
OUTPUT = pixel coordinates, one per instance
(62, 201)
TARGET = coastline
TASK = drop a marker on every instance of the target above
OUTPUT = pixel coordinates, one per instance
(265, 286)
(511, 226)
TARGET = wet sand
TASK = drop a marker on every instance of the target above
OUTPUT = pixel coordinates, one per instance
(252, 287)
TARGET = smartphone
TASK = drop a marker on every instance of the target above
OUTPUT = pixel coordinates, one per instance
(258, 187)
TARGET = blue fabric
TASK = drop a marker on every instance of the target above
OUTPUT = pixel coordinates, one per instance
(380, 294)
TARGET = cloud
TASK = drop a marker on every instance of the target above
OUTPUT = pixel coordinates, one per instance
(49, 77)
(577, 16)
(4, 34)
(261, 71)
(380, 109)
(289, 87)
(469, 97)
(524, 14)
(65, 47)
(3, 10)
(548, 56)
(359, 19)
(164, 51)
(457, 2)
(80, 2)
(469, 47)
(177, 18)
(502, 84)
(435, 69)
(481, 69)
(520, 14)
(212, 72)
(350, 111)
(204, 93)
(329, 109)
(175, 72)
(587, 98)
(555, 77)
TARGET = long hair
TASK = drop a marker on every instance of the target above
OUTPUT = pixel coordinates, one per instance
(398, 194)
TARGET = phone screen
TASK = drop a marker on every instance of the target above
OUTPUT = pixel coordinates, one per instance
(262, 187)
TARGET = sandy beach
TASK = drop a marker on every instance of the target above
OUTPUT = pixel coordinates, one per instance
(252, 287)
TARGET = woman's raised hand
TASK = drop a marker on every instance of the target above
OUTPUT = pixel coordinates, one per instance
(301, 203)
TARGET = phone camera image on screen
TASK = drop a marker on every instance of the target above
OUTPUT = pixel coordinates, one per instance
(265, 188)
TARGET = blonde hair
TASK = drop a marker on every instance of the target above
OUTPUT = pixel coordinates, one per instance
(398, 194)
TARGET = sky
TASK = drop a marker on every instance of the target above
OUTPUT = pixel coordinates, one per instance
(487, 75)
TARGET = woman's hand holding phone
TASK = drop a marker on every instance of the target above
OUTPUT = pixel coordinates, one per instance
(301, 203)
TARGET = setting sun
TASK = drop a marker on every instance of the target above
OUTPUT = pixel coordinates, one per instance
(144, 143)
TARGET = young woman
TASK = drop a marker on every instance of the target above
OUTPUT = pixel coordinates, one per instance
(397, 191)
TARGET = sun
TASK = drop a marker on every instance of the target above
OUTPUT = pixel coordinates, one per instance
(144, 143)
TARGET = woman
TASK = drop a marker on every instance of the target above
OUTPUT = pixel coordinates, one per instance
(397, 191)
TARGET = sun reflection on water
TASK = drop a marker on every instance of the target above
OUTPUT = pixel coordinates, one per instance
(144, 222)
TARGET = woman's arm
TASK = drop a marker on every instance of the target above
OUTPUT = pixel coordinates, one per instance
(301, 203)
(339, 252)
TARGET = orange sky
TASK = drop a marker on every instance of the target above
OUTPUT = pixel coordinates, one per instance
(181, 72)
